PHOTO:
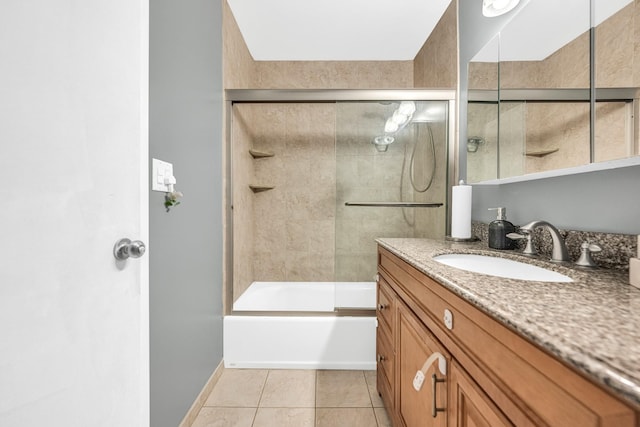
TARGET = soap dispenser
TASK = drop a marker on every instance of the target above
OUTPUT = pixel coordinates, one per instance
(499, 229)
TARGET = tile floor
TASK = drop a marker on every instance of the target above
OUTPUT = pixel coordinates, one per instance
(293, 398)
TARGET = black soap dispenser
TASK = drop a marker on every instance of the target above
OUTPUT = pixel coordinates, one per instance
(499, 229)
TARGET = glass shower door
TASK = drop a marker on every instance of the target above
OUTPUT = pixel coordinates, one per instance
(391, 178)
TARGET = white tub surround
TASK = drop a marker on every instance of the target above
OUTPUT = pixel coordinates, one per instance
(302, 326)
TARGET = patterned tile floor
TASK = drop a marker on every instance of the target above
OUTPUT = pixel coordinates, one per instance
(294, 398)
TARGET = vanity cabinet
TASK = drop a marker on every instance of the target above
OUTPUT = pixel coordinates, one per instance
(494, 377)
(385, 346)
(424, 407)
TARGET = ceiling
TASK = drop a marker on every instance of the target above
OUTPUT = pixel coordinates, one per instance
(336, 30)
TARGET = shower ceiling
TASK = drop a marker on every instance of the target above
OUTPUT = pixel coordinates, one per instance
(336, 30)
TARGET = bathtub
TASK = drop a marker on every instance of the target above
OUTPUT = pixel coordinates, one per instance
(302, 325)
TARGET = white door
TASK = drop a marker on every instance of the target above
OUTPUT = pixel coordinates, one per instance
(73, 173)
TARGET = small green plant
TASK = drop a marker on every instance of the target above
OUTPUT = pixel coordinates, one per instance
(171, 199)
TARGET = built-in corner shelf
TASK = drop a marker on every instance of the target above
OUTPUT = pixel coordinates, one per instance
(260, 154)
(260, 188)
(541, 153)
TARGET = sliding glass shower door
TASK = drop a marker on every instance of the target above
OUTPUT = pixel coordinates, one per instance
(391, 178)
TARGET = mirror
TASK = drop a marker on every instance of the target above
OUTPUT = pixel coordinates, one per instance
(530, 95)
(617, 79)
(482, 114)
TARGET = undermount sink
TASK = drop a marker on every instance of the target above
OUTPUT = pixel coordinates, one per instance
(501, 267)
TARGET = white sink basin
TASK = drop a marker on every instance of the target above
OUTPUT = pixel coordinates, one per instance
(501, 267)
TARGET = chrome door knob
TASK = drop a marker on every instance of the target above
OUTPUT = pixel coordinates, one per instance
(125, 249)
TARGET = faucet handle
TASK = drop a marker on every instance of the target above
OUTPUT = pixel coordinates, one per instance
(593, 247)
(524, 234)
(585, 259)
(517, 236)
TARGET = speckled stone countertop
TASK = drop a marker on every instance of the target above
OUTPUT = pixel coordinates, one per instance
(592, 324)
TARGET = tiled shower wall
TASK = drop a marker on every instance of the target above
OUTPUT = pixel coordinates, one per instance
(287, 233)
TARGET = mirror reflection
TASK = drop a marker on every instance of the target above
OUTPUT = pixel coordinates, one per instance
(529, 90)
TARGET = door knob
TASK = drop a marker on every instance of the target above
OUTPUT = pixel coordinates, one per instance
(125, 248)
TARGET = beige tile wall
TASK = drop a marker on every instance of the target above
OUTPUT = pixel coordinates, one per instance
(295, 222)
(238, 65)
(482, 121)
(284, 234)
(512, 138)
(334, 74)
(483, 75)
(243, 198)
(436, 64)
(617, 65)
(564, 126)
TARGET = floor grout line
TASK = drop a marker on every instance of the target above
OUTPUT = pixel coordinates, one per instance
(264, 384)
(363, 406)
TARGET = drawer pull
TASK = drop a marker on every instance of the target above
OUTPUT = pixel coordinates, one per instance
(380, 358)
(434, 406)
(381, 306)
(418, 380)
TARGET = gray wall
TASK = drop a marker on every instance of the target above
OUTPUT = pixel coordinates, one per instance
(605, 201)
(185, 245)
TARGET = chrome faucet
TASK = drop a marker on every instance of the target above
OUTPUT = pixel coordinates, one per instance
(559, 251)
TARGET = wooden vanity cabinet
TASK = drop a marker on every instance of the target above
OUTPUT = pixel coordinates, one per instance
(494, 376)
(426, 407)
(469, 405)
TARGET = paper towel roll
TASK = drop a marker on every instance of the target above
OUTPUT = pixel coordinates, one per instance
(461, 212)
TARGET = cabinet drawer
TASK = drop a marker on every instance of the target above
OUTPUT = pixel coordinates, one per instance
(386, 307)
(385, 358)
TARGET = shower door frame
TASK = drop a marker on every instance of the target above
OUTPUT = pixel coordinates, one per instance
(233, 96)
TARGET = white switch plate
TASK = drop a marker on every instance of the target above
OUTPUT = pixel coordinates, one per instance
(160, 170)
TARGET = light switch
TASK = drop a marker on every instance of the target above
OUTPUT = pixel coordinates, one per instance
(161, 173)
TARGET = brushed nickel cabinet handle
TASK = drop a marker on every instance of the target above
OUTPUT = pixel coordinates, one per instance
(434, 406)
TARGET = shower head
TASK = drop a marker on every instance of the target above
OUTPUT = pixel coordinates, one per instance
(382, 142)
(473, 143)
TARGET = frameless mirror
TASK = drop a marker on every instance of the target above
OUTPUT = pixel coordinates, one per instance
(542, 119)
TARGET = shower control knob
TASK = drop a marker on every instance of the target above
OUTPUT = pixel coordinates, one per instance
(125, 248)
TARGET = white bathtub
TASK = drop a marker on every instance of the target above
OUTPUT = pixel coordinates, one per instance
(299, 326)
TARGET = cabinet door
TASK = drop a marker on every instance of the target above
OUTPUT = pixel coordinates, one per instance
(469, 405)
(414, 346)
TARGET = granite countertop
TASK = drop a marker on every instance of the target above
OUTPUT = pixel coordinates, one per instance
(592, 324)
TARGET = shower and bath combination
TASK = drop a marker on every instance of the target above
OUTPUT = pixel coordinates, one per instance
(329, 188)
